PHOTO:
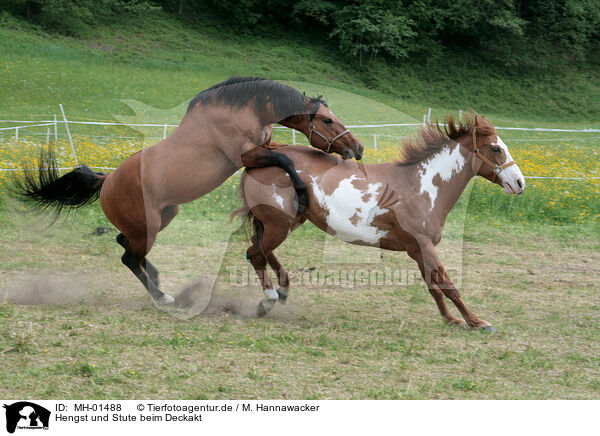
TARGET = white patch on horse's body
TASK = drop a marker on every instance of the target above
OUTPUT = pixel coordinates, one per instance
(347, 204)
(278, 198)
(297, 172)
(444, 163)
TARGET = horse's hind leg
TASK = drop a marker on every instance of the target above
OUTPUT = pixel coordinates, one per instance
(266, 238)
(166, 216)
(259, 261)
(282, 277)
(149, 267)
(134, 258)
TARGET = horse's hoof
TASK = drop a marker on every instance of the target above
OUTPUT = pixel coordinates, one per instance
(282, 295)
(165, 300)
(488, 328)
(261, 310)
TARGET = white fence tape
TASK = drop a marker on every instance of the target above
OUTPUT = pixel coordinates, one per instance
(357, 126)
(28, 123)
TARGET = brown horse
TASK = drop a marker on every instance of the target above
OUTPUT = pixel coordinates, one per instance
(226, 127)
(400, 206)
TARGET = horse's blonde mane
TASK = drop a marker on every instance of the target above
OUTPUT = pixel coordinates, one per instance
(433, 137)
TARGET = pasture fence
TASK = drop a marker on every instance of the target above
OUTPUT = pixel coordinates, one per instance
(368, 133)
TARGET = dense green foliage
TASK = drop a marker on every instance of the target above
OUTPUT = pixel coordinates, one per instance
(519, 31)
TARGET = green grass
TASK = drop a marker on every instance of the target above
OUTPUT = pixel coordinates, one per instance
(91, 74)
(105, 339)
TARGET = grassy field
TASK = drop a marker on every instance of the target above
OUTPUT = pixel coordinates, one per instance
(72, 315)
(76, 318)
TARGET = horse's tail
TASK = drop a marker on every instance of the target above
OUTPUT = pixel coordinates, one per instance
(249, 221)
(48, 191)
(244, 212)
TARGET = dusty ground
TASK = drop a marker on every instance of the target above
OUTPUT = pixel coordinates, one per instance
(74, 316)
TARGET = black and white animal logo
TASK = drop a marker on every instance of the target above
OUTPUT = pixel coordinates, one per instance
(26, 415)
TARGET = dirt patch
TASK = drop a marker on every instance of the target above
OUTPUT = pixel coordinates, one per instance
(201, 298)
(46, 290)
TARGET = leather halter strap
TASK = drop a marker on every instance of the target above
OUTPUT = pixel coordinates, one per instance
(330, 141)
(494, 166)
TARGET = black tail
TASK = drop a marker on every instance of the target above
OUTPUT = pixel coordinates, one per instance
(48, 191)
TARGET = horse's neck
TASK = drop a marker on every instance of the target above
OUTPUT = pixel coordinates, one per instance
(295, 122)
(444, 176)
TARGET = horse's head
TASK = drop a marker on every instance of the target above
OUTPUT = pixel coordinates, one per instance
(326, 131)
(492, 160)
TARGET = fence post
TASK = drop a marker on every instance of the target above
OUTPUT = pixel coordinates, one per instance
(460, 115)
(55, 130)
(424, 119)
(375, 141)
(429, 115)
(293, 137)
(165, 132)
(17, 134)
(69, 134)
(48, 136)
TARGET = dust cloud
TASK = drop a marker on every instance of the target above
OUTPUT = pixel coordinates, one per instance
(201, 298)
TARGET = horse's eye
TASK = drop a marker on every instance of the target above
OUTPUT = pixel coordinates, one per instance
(496, 149)
(328, 121)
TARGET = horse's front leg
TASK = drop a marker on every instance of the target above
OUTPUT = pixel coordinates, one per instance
(439, 284)
(261, 157)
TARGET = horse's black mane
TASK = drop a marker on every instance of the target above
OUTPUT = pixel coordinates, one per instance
(240, 91)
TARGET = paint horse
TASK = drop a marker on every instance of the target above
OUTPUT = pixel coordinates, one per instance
(400, 206)
(226, 127)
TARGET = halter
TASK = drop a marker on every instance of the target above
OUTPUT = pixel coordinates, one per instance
(494, 166)
(312, 129)
(330, 141)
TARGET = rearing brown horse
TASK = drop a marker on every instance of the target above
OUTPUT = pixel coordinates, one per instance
(226, 127)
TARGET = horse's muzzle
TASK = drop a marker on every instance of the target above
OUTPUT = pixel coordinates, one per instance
(358, 154)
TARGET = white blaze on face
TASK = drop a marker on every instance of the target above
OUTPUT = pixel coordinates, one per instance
(511, 177)
(351, 211)
(444, 163)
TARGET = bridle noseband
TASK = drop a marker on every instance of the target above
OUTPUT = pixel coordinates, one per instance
(494, 166)
(312, 129)
(330, 141)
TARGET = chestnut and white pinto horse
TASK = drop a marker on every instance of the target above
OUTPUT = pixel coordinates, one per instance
(400, 206)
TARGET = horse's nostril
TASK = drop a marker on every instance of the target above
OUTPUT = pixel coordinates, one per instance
(519, 183)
